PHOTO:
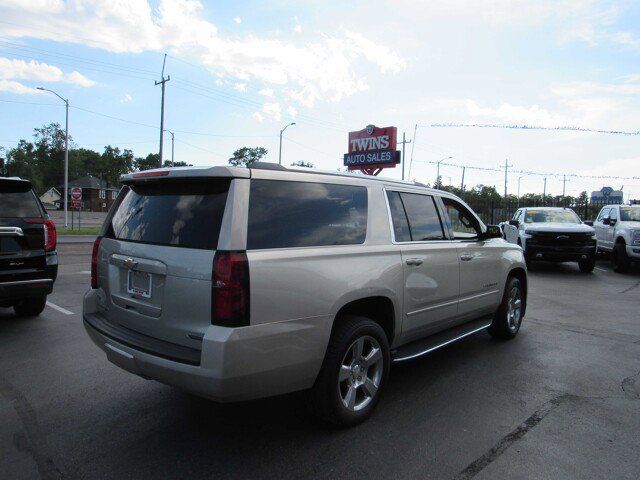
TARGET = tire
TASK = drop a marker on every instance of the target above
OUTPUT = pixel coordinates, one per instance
(587, 266)
(30, 307)
(619, 258)
(528, 262)
(346, 396)
(508, 318)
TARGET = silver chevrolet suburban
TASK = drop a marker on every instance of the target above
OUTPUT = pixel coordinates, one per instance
(239, 283)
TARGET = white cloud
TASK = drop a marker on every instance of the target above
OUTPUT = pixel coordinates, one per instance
(325, 69)
(516, 114)
(241, 87)
(126, 98)
(41, 72)
(297, 28)
(272, 110)
(16, 87)
(626, 38)
(292, 111)
(258, 116)
(267, 92)
(238, 20)
(218, 82)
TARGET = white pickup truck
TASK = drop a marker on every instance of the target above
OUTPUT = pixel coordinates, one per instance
(552, 234)
(618, 231)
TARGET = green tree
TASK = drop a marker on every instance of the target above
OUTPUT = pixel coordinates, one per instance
(150, 161)
(245, 156)
(114, 163)
(179, 163)
(22, 162)
(301, 163)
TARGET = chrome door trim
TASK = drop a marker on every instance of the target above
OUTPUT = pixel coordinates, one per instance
(448, 303)
(479, 295)
(11, 231)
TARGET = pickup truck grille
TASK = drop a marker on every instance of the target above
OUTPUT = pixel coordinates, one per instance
(562, 238)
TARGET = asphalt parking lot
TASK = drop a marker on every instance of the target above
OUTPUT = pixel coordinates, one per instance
(562, 400)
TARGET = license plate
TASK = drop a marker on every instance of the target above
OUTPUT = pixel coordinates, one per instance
(139, 283)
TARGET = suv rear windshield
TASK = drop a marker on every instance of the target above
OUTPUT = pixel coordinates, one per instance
(298, 214)
(17, 200)
(179, 214)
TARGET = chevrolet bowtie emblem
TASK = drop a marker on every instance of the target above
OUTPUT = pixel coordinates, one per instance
(130, 263)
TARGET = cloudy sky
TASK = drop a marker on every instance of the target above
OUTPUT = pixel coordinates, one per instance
(240, 71)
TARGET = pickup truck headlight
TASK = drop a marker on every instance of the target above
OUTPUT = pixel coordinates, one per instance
(635, 237)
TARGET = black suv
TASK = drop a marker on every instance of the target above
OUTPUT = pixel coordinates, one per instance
(28, 257)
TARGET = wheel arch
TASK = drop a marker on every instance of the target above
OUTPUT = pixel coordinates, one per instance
(378, 308)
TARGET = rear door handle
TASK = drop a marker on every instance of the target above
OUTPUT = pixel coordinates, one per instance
(465, 257)
(414, 261)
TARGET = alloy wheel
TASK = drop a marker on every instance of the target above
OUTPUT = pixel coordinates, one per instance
(360, 373)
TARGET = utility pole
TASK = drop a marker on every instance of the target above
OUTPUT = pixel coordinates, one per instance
(520, 178)
(66, 155)
(462, 183)
(280, 149)
(404, 142)
(564, 184)
(413, 144)
(506, 168)
(162, 83)
(544, 192)
(438, 182)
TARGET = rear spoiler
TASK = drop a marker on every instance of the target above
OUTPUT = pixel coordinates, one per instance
(183, 173)
(14, 184)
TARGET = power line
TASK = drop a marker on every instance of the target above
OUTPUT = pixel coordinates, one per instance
(534, 127)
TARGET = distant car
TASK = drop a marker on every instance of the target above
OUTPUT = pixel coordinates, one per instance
(618, 231)
(28, 256)
(552, 234)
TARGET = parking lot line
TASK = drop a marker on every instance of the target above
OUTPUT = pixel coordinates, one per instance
(60, 309)
(597, 268)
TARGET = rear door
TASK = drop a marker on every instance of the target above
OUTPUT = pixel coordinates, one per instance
(156, 258)
(430, 264)
(22, 255)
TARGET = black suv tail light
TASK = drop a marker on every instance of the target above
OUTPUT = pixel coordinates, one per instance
(94, 263)
(50, 236)
(230, 289)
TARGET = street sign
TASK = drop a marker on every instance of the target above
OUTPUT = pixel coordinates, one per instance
(372, 149)
(76, 193)
(77, 204)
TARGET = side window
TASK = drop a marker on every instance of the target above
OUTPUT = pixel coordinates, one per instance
(422, 214)
(285, 214)
(603, 213)
(399, 218)
(516, 216)
(614, 214)
(463, 224)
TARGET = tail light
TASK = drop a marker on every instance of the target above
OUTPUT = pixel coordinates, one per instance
(230, 289)
(50, 236)
(94, 263)
(50, 233)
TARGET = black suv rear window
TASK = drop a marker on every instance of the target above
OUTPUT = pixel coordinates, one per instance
(18, 200)
(180, 214)
(296, 214)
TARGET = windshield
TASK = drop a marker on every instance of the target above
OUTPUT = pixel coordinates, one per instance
(556, 216)
(630, 214)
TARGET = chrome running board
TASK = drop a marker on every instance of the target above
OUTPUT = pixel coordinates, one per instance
(438, 340)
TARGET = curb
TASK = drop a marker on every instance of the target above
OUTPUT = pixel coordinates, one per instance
(66, 239)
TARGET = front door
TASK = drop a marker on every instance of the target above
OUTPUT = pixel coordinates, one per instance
(600, 227)
(480, 266)
(431, 271)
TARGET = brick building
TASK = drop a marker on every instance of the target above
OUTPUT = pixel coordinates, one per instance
(96, 196)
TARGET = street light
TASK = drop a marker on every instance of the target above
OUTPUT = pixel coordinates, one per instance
(280, 150)
(438, 182)
(520, 177)
(173, 138)
(66, 153)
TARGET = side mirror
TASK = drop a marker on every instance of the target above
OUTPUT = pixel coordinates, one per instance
(588, 222)
(606, 221)
(514, 223)
(493, 231)
(612, 221)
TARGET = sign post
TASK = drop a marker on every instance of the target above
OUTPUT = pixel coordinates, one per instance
(76, 203)
(372, 149)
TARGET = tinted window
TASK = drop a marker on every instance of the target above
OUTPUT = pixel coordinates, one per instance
(296, 214)
(613, 214)
(19, 204)
(424, 221)
(170, 213)
(463, 224)
(399, 218)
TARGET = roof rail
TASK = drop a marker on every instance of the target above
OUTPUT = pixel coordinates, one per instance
(267, 166)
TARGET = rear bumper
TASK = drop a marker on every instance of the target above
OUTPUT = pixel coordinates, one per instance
(235, 364)
(18, 290)
(559, 253)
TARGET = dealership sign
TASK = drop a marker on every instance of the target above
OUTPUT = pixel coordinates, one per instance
(372, 149)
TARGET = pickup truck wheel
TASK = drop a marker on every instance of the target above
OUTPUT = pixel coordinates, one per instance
(587, 266)
(30, 307)
(507, 320)
(619, 258)
(353, 374)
